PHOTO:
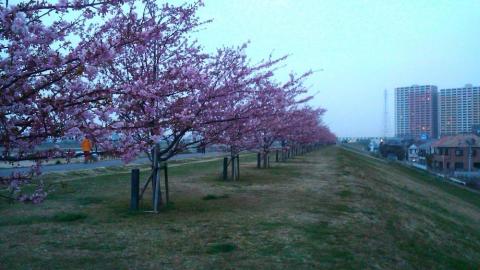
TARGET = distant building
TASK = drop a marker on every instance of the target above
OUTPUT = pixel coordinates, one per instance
(457, 153)
(425, 150)
(394, 148)
(459, 110)
(416, 112)
(413, 153)
(373, 145)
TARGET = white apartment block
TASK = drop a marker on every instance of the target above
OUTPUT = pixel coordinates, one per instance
(416, 111)
(459, 110)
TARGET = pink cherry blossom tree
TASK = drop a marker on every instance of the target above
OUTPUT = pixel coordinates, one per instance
(46, 76)
(307, 129)
(271, 122)
(259, 97)
(130, 67)
(166, 88)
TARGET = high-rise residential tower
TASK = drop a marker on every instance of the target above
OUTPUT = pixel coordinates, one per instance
(459, 110)
(416, 112)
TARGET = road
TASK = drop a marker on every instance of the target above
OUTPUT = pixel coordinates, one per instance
(100, 164)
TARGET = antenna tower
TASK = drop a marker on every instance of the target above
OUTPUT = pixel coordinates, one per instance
(385, 113)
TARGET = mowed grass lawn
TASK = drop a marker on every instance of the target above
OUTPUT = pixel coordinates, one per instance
(329, 209)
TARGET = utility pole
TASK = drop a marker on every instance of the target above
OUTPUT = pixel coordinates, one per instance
(470, 142)
(385, 113)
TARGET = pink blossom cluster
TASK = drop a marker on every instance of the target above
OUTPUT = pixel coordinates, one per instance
(130, 69)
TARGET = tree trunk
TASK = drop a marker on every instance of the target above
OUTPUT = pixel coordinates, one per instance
(265, 159)
(225, 168)
(232, 157)
(156, 184)
(238, 167)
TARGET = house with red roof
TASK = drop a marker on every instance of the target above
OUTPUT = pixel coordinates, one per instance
(457, 153)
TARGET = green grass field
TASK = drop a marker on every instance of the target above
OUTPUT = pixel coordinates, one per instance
(330, 209)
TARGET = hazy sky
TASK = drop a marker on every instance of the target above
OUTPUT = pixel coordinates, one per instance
(363, 48)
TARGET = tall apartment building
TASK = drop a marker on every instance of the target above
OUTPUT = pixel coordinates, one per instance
(459, 110)
(416, 111)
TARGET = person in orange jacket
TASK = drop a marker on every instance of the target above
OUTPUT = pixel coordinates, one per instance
(87, 149)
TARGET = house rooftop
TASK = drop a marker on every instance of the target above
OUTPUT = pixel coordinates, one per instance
(427, 144)
(462, 140)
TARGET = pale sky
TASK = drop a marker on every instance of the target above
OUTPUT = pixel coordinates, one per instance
(363, 48)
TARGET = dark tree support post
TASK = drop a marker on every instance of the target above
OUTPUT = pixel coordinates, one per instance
(238, 167)
(157, 191)
(135, 181)
(154, 177)
(225, 168)
(233, 167)
(276, 156)
(167, 194)
(265, 159)
(259, 160)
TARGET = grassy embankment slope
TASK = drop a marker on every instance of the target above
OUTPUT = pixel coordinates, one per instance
(328, 209)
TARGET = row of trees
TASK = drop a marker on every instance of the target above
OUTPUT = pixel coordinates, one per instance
(98, 67)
